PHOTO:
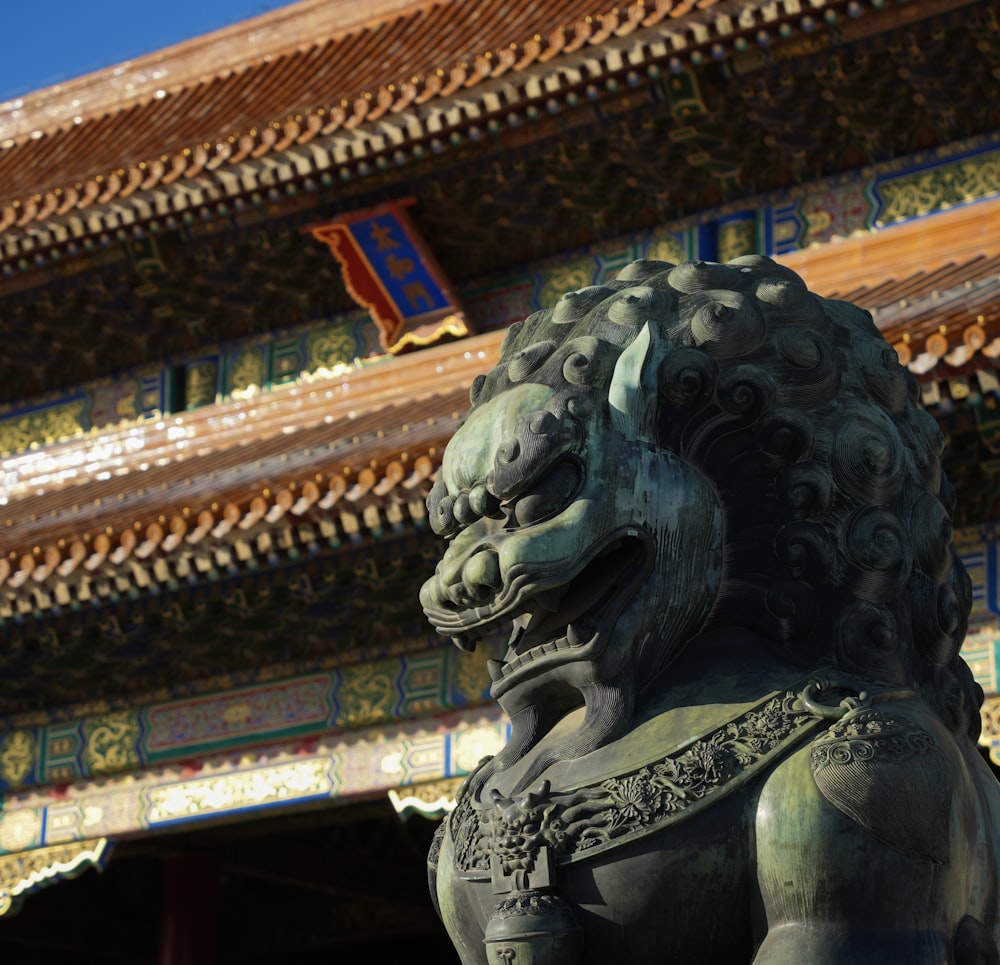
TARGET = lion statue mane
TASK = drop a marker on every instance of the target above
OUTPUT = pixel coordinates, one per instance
(706, 503)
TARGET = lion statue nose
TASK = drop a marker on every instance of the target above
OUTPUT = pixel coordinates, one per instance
(474, 580)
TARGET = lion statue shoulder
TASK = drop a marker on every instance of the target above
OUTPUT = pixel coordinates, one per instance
(705, 507)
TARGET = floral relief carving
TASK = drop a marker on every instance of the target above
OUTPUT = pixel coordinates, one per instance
(570, 823)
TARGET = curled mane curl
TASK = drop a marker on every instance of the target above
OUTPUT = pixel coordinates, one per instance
(838, 540)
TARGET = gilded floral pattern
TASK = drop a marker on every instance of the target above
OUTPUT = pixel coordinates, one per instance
(200, 384)
(20, 829)
(912, 195)
(668, 248)
(469, 675)
(44, 425)
(249, 371)
(367, 695)
(111, 742)
(737, 238)
(20, 873)
(227, 792)
(17, 756)
(331, 348)
(569, 277)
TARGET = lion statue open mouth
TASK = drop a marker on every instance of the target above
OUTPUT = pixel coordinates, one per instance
(704, 505)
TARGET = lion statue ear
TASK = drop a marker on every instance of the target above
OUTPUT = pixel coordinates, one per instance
(632, 393)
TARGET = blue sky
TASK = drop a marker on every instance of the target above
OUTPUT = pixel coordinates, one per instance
(48, 41)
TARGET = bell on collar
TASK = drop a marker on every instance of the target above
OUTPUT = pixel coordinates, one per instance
(532, 928)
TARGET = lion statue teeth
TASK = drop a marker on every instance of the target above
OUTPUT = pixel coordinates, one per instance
(705, 506)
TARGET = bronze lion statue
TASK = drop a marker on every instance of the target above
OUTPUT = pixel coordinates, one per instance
(707, 507)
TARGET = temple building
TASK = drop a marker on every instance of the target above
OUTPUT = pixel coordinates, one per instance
(246, 283)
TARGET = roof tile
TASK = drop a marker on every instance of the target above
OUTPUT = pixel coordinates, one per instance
(405, 53)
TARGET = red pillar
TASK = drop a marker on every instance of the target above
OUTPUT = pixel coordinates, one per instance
(187, 910)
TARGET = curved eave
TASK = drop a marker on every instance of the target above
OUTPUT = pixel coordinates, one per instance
(931, 284)
(228, 486)
(65, 188)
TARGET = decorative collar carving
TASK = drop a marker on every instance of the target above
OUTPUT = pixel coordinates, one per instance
(517, 838)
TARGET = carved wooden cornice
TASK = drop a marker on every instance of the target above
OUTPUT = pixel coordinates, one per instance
(223, 485)
(23, 872)
(430, 96)
(941, 317)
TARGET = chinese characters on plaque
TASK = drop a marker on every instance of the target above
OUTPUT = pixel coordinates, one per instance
(389, 270)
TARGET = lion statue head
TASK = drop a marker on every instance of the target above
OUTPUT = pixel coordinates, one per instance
(691, 452)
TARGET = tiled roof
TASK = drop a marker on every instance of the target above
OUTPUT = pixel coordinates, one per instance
(942, 316)
(318, 102)
(332, 459)
(941, 320)
(224, 485)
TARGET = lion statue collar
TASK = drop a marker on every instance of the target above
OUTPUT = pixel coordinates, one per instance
(580, 811)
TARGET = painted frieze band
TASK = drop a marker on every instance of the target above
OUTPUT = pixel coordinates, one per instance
(861, 201)
(342, 699)
(290, 774)
(349, 697)
(323, 736)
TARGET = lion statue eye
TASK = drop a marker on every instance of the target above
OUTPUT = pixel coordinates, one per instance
(550, 495)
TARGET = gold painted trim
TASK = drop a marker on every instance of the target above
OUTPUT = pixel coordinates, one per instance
(30, 870)
(989, 737)
(433, 799)
(450, 325)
